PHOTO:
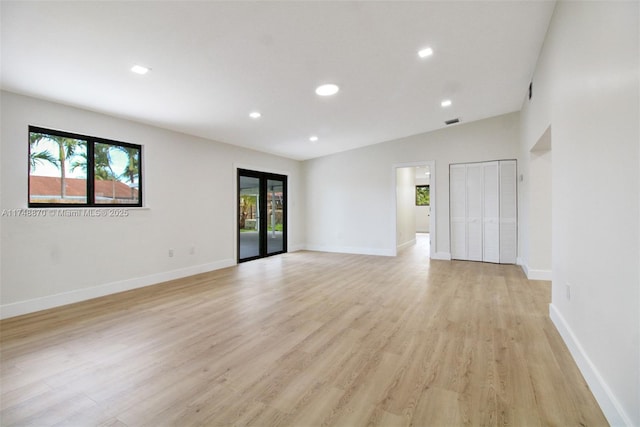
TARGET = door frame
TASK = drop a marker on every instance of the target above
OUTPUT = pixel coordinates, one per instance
(431, 164)
(264, 177)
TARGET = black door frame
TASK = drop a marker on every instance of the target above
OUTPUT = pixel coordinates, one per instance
(263, 178)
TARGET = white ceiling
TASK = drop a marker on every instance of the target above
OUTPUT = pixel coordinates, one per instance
(215, 62)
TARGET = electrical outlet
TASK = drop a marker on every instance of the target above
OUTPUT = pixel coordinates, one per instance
(567, 288)
(170, 253)
(192, 250)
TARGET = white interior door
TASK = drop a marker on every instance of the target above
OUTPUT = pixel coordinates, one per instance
(458, 210)
(490, 213)
(474, 212)
(483, 211)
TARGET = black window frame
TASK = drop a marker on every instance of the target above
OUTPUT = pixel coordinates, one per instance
(91, 142)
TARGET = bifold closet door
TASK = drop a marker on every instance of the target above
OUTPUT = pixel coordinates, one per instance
(490, 213)
(458, 210)
(474, 212)
(483, 211)
(466, 189)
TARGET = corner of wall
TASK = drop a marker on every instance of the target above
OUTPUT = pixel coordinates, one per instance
(523, 265)
(533, 274)
(406, 244)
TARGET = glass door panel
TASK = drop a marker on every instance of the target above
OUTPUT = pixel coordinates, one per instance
(249, 219)
(275, 216)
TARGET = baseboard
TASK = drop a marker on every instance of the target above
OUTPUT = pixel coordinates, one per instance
(445, 256)
(538, 274)
(295, 248)
(406, 244)
(351, 250)
(43, 303)
(613, 411)
(533, 274)
(523, 266)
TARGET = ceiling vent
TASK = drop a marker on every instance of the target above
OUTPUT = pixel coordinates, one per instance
(452, 121)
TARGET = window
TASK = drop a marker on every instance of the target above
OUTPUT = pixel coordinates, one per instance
(72, 170)
(422, 195)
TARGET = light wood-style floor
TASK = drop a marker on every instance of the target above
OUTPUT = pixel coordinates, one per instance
(303, 339)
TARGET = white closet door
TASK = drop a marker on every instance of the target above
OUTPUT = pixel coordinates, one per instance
(491, 213)
(483, 211)
(458, 209)
(474, 212)
(508, 212)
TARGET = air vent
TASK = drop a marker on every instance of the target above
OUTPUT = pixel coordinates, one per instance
(452, 121)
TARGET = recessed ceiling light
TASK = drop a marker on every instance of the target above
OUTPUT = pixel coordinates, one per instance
(423, 53)
(139, 69)
(327, 89)
(446, 103)
(255, 115)
(313, 138)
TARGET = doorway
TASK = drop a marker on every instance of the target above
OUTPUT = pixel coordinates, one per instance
(262, 214)
(415, 221)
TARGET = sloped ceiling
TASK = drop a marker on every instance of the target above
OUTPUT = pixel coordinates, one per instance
(212, 63)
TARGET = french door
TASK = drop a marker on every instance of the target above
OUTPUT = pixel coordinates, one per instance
(262, 214)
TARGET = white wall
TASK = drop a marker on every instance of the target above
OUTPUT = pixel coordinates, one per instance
(353, 205)
(189, 194)
(405, 202)
(586, 87)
